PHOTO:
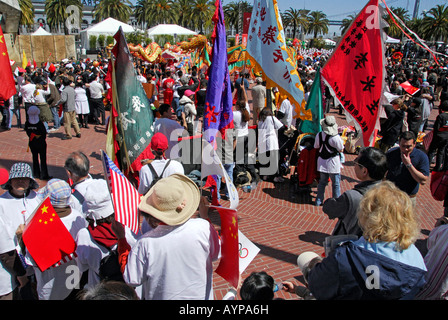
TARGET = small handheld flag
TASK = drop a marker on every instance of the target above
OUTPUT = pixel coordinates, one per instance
(124, 195)
(46, 237)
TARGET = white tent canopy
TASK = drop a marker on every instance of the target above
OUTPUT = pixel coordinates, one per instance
(171, 29)
(41, 32)
(329, 42)
(106, 27)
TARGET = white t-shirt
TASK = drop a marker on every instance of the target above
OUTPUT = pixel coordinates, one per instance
(16, 211)
(286, 108)
(267, 134)
(96, 90)
(40, 95)
(175, 262)
(242, 128)
(7, 281)
(90, 254)
(146, 177)
(56, 283)
(27, 91)
(332, 165)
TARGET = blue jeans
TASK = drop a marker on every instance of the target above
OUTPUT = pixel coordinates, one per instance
(16, 111)
(7, 114)
(229, 169)
(56, 119)
(335, 182)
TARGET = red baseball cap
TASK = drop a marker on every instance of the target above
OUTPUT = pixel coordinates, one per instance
(159, 142)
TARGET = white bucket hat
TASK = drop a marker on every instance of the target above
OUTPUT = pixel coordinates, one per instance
(329, 125)
(172, 200)
(97, 201)
(305, 258)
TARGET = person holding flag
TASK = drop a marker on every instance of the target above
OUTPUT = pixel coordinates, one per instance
(98, 240)
(174, 260)
(16, 205)
(49, 279)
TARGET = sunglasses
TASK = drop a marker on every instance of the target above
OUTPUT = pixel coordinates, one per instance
(357, 163)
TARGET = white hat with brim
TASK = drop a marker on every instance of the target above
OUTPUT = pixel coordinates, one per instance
(329, 125)
(305, 258)
(97, 200)
(172, 200)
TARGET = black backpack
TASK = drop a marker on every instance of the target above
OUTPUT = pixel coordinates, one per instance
(155, 176)
(326, 151)
(110, 267)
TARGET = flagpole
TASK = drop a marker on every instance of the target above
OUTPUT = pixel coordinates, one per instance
(115, 99)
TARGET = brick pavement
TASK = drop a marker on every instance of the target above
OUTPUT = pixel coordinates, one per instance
(281, 222)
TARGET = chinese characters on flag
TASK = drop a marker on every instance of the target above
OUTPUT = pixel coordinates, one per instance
(355, 71)
(268, 53)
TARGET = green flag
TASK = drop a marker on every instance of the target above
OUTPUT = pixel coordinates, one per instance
(135, 118)
(314, 104)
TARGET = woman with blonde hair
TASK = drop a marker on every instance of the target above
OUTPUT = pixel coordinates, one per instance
(383, 264)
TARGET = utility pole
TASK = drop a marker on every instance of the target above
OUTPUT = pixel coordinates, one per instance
(417, 5)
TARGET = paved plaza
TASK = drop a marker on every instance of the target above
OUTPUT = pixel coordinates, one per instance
(277, 218)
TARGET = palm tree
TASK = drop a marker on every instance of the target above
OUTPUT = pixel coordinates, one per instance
(296, 18)
(118, 9)
(393, 30)
(182, 9)
(27, 8)
(232, 13)
(55, 10)
(156, 11)
(201, 13)
(435, 24)
(416, 26)
(346, 23)
(142, 10)
(317, 23)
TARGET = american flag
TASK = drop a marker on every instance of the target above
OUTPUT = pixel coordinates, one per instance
(124, 195)
(65, 259)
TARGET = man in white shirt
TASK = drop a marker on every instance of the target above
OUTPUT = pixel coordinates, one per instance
(160, 166)
(96, 101)
(173, 261)
(49, 281)
(284, 113)
(330, 146)
(258, 98)
(27, 92)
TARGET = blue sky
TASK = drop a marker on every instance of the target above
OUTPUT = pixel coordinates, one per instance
(339, 9)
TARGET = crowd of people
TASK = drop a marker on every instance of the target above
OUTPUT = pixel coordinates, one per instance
(171, 257)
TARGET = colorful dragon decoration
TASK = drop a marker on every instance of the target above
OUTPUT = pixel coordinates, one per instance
(199, 49)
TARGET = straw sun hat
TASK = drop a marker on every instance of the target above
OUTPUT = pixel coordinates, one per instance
(172, 200)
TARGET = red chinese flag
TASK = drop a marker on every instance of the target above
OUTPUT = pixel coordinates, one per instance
(8, 85)
(355, 71)
(228, 267)
(46, 238)
(409, 88)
